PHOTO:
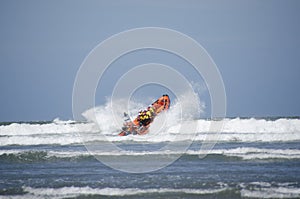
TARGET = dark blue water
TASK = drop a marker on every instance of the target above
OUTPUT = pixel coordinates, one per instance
(39, 172)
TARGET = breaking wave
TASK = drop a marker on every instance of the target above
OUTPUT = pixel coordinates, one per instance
(243, 153)
(252, 190)
(234, 130)
(180, 123)
(71, 192)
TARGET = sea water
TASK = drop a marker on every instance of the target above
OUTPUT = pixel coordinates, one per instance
(251, 158)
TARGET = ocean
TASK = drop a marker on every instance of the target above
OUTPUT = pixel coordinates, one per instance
(251, 158)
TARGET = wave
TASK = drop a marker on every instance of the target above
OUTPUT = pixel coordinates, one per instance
(243, 153)
(69, 132)
(253, 190)
(44, 129)
(70, 192)
(266, 190)
(252, 125)
(235, 125)
(235, 130)
(180, 123)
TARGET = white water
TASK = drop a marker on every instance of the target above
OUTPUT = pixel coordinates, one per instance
(68, 192)
(246, 153)
(234, 130)
(177, 124)
(71, 192)
(272, 192)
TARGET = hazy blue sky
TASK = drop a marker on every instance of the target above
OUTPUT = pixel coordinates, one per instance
(255, 44)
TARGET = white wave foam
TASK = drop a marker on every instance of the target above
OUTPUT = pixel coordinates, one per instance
(248, 153)
(77, 191)
(178, 125)
(175, 125)
(253, 125)
(257, 191)
(43, 129)
(58, 121)
(65, 134)
(272, 192)
(244, 153)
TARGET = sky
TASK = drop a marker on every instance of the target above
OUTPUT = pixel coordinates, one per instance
(255, 44)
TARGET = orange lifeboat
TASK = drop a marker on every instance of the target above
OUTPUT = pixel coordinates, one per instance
(140, 125)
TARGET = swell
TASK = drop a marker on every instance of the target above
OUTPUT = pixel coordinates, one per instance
(241, 190)
(235, 154)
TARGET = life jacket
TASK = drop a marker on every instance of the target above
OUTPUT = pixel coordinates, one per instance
(148, 113)
(163, 103)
